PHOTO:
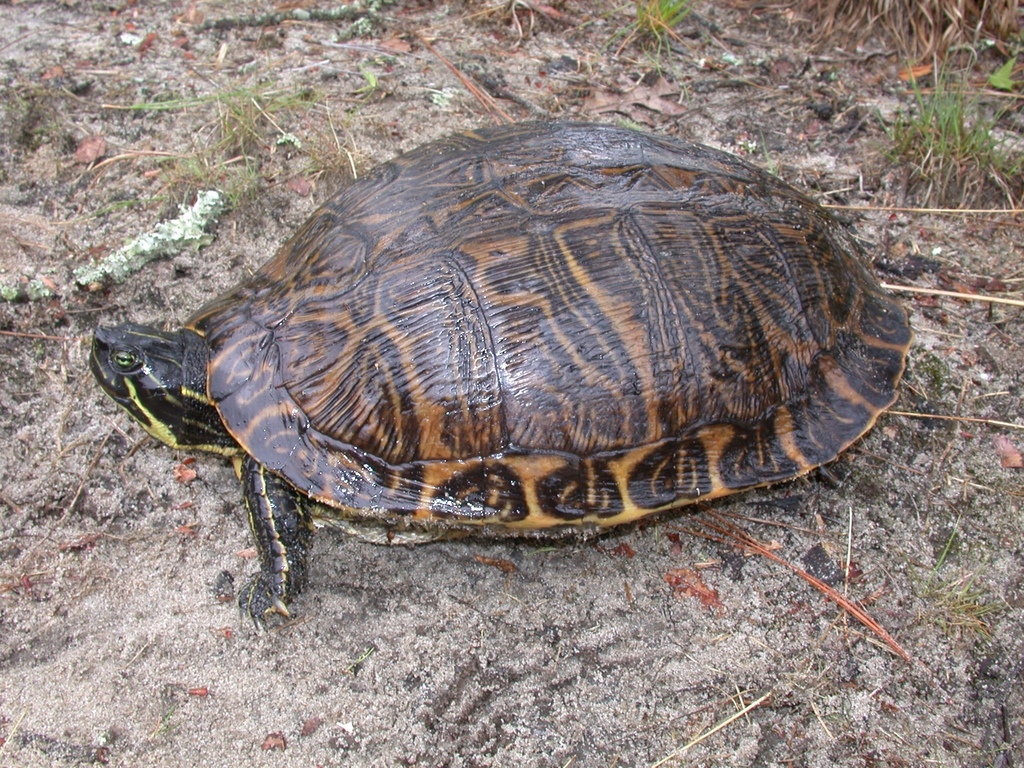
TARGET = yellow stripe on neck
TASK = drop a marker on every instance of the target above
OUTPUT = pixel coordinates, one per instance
(163, 433)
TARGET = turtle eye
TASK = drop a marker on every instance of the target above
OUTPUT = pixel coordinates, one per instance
(125, 361)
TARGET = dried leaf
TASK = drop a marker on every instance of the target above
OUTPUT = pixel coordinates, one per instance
(147, 43)
(915, 73)
(660, 97)
(300, 185)
(926, 301)
(619, 550)
(1009, 456)
(85, 542)
(274, 740)
(505, 566)
(192, 15)
(309, 727)
(184, 474)
(396, 45)
(90, 149)
(686, 581)
(543, 9)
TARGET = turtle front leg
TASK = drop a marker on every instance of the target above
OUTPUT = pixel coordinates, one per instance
(282, 526)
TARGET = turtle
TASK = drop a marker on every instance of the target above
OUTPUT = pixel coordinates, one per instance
(534, 327)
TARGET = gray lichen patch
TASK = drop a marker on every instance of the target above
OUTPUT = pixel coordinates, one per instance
(188, 230)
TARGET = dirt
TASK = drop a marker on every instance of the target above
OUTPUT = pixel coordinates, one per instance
(619, 651)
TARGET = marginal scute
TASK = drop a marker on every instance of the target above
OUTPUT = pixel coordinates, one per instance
(553, 324)
(482, 489)
(652, 479)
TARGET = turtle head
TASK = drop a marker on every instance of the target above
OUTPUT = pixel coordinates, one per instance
(160, 379)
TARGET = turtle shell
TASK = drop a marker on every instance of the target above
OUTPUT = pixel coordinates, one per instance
(547, 324)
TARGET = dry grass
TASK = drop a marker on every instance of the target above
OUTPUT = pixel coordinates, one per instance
(918, 28)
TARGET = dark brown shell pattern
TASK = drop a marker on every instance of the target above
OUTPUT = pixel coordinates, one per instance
(550, 324)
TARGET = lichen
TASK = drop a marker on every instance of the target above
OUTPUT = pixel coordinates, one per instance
(187, 230)
(30, 290)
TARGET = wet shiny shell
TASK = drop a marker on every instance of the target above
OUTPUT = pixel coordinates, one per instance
(552, 324)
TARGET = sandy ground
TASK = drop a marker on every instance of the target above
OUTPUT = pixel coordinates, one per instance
(113, 645)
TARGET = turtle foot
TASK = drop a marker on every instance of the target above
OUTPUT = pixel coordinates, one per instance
(260, 600)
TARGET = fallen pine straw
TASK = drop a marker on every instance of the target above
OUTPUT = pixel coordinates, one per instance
(969, 419)
(730, 534)
(939, 211)
(714, 729)
(917, 29)
(953, 294)
(500, 116)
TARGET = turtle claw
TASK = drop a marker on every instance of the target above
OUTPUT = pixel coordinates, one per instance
(260, 601)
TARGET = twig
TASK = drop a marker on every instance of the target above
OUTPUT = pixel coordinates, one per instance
(713, 730)
(141, 651)
(133, 155)
(341, 13)
(15, 508)
(849, 552)
(953, 294)
(944, 211)
(497, 113)
(768, 522)
(730, 534)
(972, 420)
(821, 722)
(14, 730)
(43, 336)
